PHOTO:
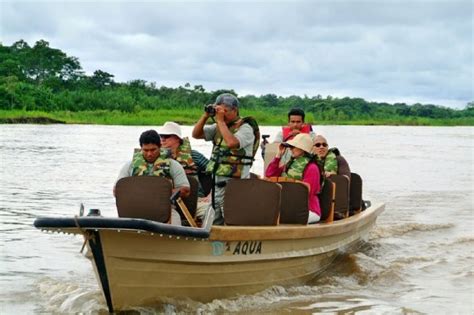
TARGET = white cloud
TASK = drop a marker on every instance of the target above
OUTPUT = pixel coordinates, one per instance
(394, 51)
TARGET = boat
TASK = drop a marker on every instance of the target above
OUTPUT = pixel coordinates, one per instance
(142, 262)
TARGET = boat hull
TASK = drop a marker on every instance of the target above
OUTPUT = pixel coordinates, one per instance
(139, 268)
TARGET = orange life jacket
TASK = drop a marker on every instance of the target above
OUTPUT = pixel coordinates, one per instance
(286, 131)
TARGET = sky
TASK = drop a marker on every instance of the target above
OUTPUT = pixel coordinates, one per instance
(412, 51)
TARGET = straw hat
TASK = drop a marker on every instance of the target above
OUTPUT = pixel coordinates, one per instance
(171, 128)
(302, 141)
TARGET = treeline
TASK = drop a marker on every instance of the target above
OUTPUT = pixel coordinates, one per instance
(41, 78)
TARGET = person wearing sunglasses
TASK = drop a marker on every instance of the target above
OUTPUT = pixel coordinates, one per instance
(301, 167)
(326, 159)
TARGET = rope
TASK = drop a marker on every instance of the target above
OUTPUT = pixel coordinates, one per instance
(87, 236)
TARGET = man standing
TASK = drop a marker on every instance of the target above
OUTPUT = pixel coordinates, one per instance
(148, 162)
(235, 142)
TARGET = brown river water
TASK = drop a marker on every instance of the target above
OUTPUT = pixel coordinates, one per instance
(417, 260)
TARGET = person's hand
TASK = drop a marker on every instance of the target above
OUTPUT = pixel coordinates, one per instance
(220, 113)
(327, 174)
(294, 132)
(281, 150)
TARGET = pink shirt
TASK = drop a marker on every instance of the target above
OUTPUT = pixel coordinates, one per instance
(310, 176)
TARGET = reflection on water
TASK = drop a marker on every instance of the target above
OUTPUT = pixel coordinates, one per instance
(418, 259)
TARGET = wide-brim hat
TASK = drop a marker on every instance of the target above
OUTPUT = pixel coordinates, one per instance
(171, 128)
(302, 141)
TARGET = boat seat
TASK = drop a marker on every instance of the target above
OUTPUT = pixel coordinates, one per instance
(251, 202)
(343, 167)
(294, 200)
(341, 206)
(355, 200)
(253, 175)
(327, 199)
(191, 200)
(144, 197)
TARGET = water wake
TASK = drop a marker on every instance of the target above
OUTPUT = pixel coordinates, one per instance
(402, 229)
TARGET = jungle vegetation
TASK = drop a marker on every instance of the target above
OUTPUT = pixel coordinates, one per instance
(43, 82)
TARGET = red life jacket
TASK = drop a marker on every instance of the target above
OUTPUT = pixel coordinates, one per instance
(286, 131)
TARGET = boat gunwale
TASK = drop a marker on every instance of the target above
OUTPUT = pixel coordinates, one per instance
(79, 225)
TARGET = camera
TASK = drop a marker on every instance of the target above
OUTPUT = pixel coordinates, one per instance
(210, 109)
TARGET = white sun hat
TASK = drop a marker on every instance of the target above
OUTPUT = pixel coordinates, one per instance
(302, 141)
(171, 128)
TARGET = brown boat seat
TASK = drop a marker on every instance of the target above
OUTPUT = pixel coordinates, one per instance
(191, 200)
(355, 199)
(253, 175)
(343, 167)
(327, 199)
(294, 200)
(144, 197)
(251, 202)
(341, 206)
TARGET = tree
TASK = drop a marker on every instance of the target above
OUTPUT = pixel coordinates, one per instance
(42, 62)
(101, 79)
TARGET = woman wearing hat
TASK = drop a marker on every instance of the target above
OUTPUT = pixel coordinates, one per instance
(179, 148)
(301, 167)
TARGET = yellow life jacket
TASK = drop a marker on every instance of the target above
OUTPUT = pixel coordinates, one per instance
(183, 157)
(230, 162)
(296, 167)
(140, 167)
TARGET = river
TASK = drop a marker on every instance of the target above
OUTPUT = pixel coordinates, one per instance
(418, 259)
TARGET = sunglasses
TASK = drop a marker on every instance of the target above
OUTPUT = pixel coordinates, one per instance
(317, 145)
(165, 136)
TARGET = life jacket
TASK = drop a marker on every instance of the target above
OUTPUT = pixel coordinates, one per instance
(230, 162)
(342, 165)
(296, 167)
(140, 167)
(325, 166)
(286, 131)
(183, 157)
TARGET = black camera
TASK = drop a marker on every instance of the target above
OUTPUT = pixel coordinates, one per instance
(210, 109)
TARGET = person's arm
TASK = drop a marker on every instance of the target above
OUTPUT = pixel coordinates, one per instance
(180, 181)
(245, 136)
(229, 138)
(200, 160)
(198, 130)
(273, 168)
(311, 176)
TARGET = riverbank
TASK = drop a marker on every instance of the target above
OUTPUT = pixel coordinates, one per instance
(190, 116)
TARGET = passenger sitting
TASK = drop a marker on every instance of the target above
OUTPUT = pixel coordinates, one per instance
(295, 126)
(179, 149)
(330, 161)
(301, 167)
(148, 162)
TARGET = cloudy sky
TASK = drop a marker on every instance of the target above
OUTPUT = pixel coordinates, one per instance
(394, 51)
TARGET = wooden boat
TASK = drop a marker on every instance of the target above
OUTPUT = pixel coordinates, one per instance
(141, 262)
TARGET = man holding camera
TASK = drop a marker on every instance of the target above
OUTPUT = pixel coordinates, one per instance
(235, 142)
